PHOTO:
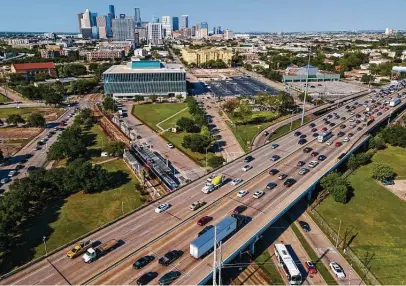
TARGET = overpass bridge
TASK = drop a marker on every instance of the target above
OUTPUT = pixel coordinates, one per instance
(146, 233)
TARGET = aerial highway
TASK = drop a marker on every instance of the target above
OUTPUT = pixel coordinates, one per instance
(147, 232)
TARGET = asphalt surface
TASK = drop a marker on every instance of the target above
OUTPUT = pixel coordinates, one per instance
(28, 153)
(146, 232)
(239, 85)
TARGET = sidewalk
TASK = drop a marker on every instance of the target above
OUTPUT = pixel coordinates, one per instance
(13, 96)
(327, 251)
(230, 149)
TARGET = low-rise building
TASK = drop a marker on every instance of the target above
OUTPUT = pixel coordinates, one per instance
(204, 55)
(104, 55)
(145, 78)
(29, 70)
(52, 51)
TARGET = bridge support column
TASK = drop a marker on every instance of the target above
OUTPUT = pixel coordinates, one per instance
(310, 192)
(252, 246)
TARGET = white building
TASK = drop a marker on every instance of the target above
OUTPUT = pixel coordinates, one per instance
(154, 34)
(101, 22)
(184, 22)
(140, 53)
(85, 21)
(228, 35)
(167, 25)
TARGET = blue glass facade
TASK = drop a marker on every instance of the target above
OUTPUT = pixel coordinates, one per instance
(144, 78)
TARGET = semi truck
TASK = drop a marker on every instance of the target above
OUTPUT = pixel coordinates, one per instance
(205, 243)
(94, 253)
(215, 183)
(394, 102)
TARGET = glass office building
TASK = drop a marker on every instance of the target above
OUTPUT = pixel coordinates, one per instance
(145, 78)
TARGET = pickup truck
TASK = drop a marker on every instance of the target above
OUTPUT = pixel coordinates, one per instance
(196, 205)
(80, 248)
(94, 253)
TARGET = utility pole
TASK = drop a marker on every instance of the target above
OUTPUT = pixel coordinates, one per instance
(307, 88)
(338, 234)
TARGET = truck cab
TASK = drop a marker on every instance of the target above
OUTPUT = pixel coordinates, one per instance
(90, 255)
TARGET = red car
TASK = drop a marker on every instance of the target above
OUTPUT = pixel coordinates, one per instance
(324, 129)
(311, 268)
(315, 154)
(204, 220)
(239, 209)
(338, 144)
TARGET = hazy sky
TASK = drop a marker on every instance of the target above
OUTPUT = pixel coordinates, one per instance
(247, 15)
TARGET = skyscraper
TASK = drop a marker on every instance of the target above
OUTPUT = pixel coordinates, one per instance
(217, 30)
(102, 26)
(154, 33)
(167, 25)
(112, 11)
(175, 23)
(155, 19)
(137, 17)
(85, 24)
(123, 29)
(184, 22)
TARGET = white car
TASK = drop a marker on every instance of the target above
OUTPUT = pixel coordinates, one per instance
(170, 145)
(337, 270)
(12, 173)
(162, 208)
(246, 168)
(242, 193)
(258, 194)
(5, 180)
(313, 164)
(235, 182)
(303, 171)
(329, 142)
(346, 139)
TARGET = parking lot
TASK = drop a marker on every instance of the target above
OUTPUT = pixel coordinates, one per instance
(329, 88)
(236, 86)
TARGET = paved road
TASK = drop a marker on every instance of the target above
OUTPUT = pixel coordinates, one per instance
(38, 157)
(261, 140)
(230, 149)
(176, 228)
(186, 166)
(327, 251)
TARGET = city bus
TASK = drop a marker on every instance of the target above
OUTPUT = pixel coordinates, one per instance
(288, 265)
(325, 136)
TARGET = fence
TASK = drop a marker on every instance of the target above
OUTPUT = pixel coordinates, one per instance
(362, 269)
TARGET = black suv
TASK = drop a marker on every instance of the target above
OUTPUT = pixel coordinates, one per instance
(307, 150)
(289, 182)
(169, 277)
(143, 261)
(146, 278)
(170, 257)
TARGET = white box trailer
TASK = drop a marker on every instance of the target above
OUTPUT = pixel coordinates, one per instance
(205, 243)
(394, 102)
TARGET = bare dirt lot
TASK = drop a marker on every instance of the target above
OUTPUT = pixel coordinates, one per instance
(13, 139)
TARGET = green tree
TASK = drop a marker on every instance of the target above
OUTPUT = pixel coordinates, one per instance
(337, 186)
(70, 145)
(215, 161)
(138, 98)
(188, 125)
(243, 112)
(93, 67)
(15, 119)
(230, 105)
(382, 172)
(36, 120)
(42, 76)
(115, 148)
(53, 98)
(395, 135)
(286, 102)
(376, 143)
(340, 193)
(196, 142)
(309, 99)
(367, 78)
(109, 104)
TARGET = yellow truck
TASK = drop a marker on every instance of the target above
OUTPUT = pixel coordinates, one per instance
(80, 248)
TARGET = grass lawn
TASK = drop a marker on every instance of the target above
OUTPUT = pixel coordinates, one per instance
(82, 213)
(266, 263)
(26, 111)
(377, 219)
(4, 98)
(286, 128)
(246, 133)
(101, 139)
(152, 114)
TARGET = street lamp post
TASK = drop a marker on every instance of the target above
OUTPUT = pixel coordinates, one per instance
(307, 88)
(206, 155)
(45, 244)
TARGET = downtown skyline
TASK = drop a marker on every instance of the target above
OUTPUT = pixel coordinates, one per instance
(275, 18)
